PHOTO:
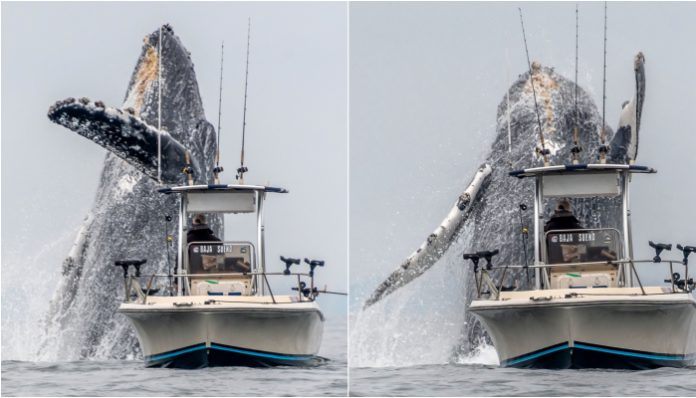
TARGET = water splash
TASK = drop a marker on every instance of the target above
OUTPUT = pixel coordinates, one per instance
(27, 284)
(483, 354)
(422, 324)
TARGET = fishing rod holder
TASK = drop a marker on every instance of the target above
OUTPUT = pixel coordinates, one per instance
(543, 152)
(483, 276)
(575, 153)
(126, 264)
(240, 172)
(307, 292)
(474, 257)
(131, 283)
(487, 255)
(686, 285)
(313, 264)
(659, 247)
(686, 250)
(288, 263)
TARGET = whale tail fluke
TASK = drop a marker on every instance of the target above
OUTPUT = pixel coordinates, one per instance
(437, 243)
(124, 134)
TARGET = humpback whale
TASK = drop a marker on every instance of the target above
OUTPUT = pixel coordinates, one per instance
(128, 218)
(488, 209)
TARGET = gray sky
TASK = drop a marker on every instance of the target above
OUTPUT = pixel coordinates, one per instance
(425, 83)
(296, 120)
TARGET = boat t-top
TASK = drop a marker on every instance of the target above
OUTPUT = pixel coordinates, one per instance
(589, 308)
(222, 310)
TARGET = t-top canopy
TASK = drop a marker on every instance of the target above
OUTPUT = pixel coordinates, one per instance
(221, 198)
(579, 168)
(222, 187)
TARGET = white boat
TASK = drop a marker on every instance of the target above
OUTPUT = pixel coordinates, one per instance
(589, 307)
(221, 310)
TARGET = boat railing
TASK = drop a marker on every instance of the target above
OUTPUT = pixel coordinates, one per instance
(482, 274)
(135, 292)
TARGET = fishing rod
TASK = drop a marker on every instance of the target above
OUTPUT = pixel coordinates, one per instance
(525, 237)
(315, 292)
(241, 170)
(544, 152)
(603, 149)
(507, 96)
(576, 149)
(217, 170)
(169, 239)
(324, 291)
(159, 108)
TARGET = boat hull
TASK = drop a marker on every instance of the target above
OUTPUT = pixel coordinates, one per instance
(227, 334)
(620, 332)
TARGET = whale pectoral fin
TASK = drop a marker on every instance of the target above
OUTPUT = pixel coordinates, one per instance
(620, 144)
(624, 144)
(437, 243)
(124, 134)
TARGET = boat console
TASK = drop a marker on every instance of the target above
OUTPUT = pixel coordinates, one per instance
(589, 250)
(223, 267)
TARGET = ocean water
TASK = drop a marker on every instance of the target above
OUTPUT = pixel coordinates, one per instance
(480, 375)
(131, 378)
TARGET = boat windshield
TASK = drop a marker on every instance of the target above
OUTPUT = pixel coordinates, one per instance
(220, 257)
(583, 245)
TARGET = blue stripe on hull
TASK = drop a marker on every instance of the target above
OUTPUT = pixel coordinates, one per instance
(584, 355)
(200, 356)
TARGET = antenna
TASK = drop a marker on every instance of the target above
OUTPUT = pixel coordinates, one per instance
(576, 149)
(544, 152)
(217, 170)
(603, 149)
(241, 170)
(159, 108)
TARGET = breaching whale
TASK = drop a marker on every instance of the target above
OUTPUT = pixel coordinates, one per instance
(128, 218)
(490, 204)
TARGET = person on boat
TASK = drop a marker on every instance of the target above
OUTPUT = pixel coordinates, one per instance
(200, 231)
(562, 218)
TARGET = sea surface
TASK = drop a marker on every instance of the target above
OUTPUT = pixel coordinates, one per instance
(459, 379)
(131, 378)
